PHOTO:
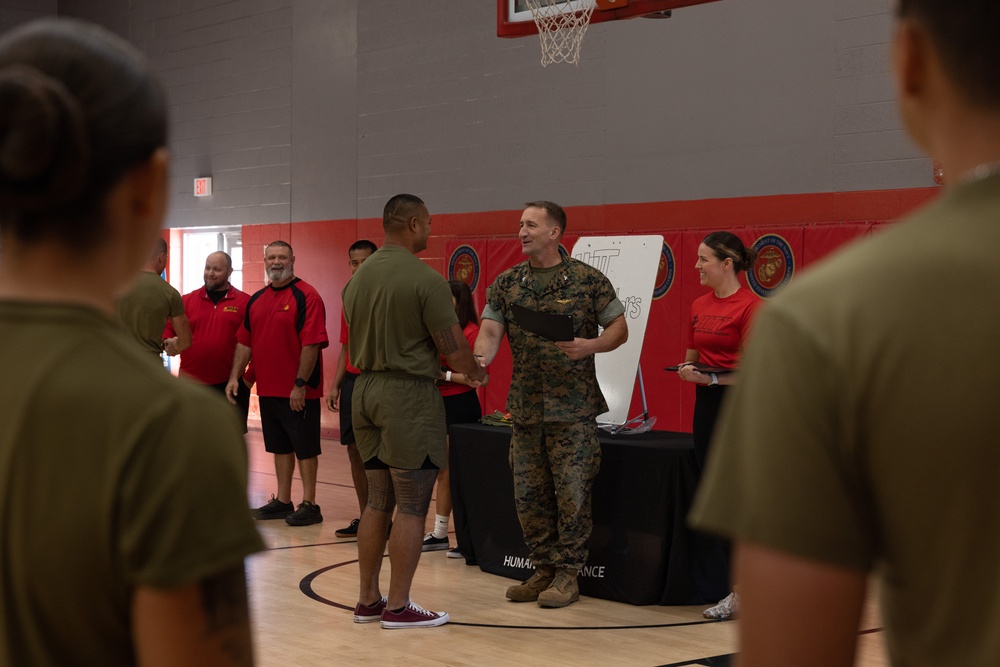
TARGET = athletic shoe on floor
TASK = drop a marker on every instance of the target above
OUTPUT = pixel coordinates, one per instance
(432, 543)
(350, 531)
(365, 614)
(413, 616)
(455, 553)
(274, 509)
(306, 515)
(727, 608)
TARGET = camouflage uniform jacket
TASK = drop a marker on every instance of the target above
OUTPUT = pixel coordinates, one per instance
(546, 385)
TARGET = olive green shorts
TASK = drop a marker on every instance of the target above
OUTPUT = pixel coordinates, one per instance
(399, 419)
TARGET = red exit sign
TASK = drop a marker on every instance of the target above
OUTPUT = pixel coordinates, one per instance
(202, 187)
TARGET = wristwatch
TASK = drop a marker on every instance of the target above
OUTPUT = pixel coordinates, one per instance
(299, 382)
(715, 380)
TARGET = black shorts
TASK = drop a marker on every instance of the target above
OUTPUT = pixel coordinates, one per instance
(286, 431)
(242, 400)
(346, 423)
(462, 408)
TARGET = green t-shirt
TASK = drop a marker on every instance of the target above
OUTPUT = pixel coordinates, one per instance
(113, 474)
(147, 306)
(393, 305)
(862, 432)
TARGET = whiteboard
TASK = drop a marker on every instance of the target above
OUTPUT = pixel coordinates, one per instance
(630, 263)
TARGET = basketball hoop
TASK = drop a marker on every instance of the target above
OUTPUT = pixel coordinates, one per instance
(561, 26)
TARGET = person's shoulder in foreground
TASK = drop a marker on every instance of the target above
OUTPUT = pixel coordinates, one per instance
(146, 475)
(860, 437)
(850, 410)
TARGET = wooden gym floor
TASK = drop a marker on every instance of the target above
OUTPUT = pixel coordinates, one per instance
(304, 586)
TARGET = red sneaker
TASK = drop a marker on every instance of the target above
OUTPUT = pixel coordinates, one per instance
(413, 616)
(365, 614)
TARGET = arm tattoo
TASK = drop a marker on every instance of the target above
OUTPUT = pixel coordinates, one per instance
(446, 341)
(227, 615)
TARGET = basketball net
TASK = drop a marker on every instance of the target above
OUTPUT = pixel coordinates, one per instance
(561, 26)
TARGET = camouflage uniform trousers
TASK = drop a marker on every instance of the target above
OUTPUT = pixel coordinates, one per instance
(554, 465)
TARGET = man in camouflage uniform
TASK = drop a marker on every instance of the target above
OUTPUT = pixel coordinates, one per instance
(554, 399)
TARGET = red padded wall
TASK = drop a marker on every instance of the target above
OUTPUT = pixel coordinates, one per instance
(813, 225)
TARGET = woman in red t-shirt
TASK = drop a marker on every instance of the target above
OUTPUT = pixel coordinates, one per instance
(461, 406)
(719, 326)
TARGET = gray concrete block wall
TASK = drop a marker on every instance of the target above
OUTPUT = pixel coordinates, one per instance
(726, 99)
(232, 64)
(227, 65)
(871, 148)
(321, 109)
(472, 122)
(324, 110)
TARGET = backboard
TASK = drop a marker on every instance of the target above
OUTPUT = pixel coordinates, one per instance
(514, 16)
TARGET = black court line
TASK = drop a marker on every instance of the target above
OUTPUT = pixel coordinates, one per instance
(305, 585)
(726, 660)
(306, 546)
(713, 661)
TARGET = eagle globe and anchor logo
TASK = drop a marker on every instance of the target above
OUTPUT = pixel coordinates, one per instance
(664, 272)
(774, 266)
(464, 266)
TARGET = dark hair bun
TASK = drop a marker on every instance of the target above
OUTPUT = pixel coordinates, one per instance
(749, 257)
(43, 145)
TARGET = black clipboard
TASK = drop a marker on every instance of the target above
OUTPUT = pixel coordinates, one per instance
(701, 368)
(547, 325)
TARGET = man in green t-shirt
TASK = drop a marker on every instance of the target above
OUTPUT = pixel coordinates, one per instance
(861, 437)
(153, 302)
(401, 319)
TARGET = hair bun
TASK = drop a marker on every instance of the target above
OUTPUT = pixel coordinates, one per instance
(43, 144)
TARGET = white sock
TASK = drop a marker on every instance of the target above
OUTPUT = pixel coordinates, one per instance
(440, 526)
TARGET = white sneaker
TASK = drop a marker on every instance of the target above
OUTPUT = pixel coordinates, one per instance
(727, 608)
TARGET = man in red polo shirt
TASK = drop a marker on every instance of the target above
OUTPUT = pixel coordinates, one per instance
(215, 311)
(284, 331)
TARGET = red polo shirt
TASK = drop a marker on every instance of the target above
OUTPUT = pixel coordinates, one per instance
(344, 337)
(278, 324)
(213, 334)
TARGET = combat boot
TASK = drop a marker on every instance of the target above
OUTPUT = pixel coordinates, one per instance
(528, 591)
(563, 591)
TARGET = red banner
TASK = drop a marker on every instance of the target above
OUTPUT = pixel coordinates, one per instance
(664, 345)
(820, 240)
(783, 252)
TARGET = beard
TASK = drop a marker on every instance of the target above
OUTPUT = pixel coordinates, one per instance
(215, 286)
(278, 275)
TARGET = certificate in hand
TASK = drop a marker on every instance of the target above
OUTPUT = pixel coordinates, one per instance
(546, 325)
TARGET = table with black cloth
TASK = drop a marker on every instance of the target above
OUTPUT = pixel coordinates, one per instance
(640, 546)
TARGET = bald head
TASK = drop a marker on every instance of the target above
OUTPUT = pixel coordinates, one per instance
(218, 268)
